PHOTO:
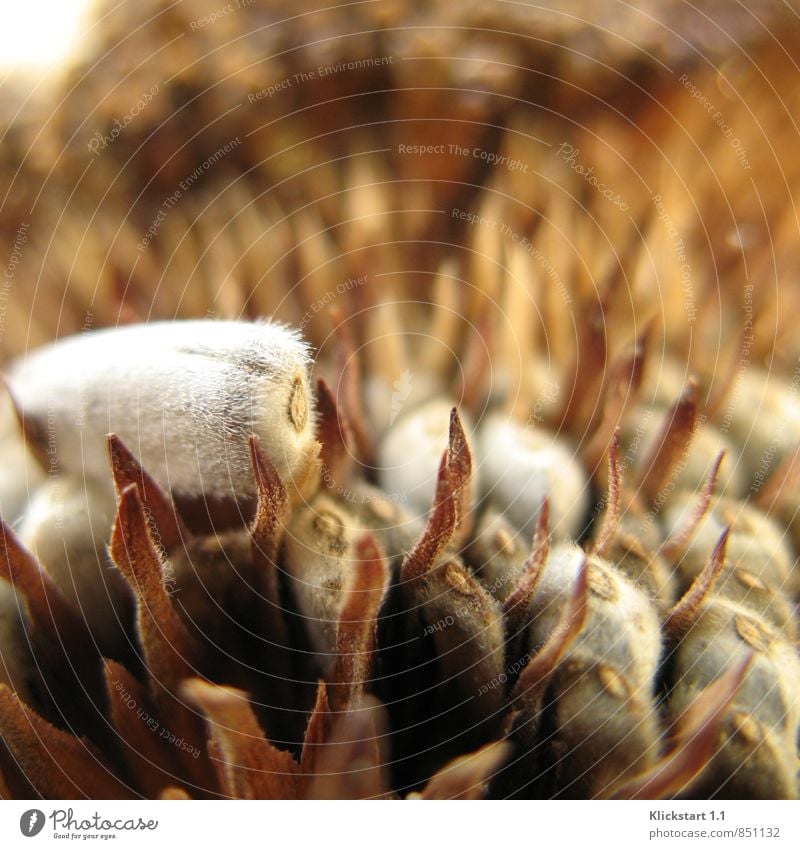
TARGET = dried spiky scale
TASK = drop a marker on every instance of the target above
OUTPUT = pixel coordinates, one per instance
(408, 456)
(146, 755)
(249, 766)
(757, 546)
(694, 739)
(521, 465)
(696, 458)
(357, 625)
(58, 765)
(665, 453)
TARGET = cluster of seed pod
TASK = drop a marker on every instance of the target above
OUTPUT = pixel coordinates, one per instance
(632, 655)
(464, 636)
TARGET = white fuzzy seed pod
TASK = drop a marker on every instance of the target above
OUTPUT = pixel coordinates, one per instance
(318, 557)
(622, 626)
(765, 709)
(520, 465)
(185, 396)
(498, 553)
(20, 473)
(409, 455)
(66, 527)
(602, 709)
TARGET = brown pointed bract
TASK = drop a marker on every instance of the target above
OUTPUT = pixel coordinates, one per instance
(248, 765)
(677, 542)
(126, 470)
(58, 765)
(355, 639)
(695, 740)
(334, 435)
(680, 619)
(676, 434)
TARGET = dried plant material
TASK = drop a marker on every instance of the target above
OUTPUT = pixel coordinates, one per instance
(167, 647)
(353, 764)
(468, 776)
(759, 571)
(589, 367)
(670, 445)
(622, 388)
(317, 732)
(518, 603)
(58, 765)
(682, 616)
(408, 457)
(139, 381)
(248, 765)
(50, 612)
(272, 509)
(444, 332)
(439, 530)
(140, 736)
(611, 517)
(677, 541)
(334, 436)
(694, 737)
(17, 668)
(126, 470)
(169, 652)
(356, 631)
(349, 385)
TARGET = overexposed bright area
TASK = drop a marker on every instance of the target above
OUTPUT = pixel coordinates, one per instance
(37, 35)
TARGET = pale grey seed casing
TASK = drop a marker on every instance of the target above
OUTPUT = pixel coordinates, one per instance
(184, 396)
